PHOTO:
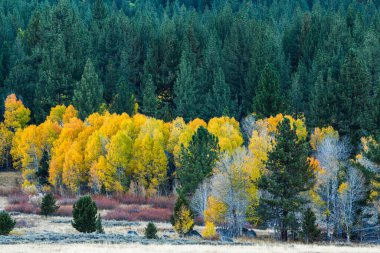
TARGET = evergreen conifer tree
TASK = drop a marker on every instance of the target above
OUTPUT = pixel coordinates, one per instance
(289, 174)
(88, 93)
(151, 231)
(197, 160)
(99, 226)
(310, 231)
(150, 100)
(268, 100)
(48, 205)
(219, 101)
(43, 170)
(85, 215)
(186, 92)
(6, 223)
(124, 100)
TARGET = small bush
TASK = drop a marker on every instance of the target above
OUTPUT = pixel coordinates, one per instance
(184, 222)
(65, 211)
(22, 208)
(182, 219)
(48, 205)
(162, 202)
(139, 213)
(18, 198)
(209, 232)
(66, 201)
(130, 199)
(99, 226)
(6, 223)
(104, 203)
(21, 223)
(151, 231)
(85, 215)
(6, 191)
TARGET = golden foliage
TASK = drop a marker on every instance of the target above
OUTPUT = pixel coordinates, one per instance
(16, 115)
(209, 232)
(320, 134)
(228, 132)
(216, 211)
(184, 222)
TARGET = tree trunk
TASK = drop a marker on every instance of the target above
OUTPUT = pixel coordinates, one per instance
(284, 229)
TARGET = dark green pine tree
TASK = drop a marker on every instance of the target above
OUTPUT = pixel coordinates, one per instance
(268, 100)
(42, 173)
(88, 93)
(150, 101)
(219, 101)
(289, 175)
(48, 205)
(85, 215)
(124, 100)
(354, 115)
(99, 226)
(323, 101)
(185, 88)
(197, 160)
(151, 231)
(310, 231)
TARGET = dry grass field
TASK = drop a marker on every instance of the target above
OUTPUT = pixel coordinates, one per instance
(36, 234)
(138, 248)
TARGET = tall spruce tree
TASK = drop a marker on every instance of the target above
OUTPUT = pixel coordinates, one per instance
(323, 107)
(88, 93)
(354, 111)
(185, 88)
(310, 231)
(124, 100)
(288, 175)
(197, 160)
(268, 100)
(219, 101)
(149, 98)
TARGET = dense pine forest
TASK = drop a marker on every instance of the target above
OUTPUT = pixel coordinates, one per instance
(197, 58)
(264, 112)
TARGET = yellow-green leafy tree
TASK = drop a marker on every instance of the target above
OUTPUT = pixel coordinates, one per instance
(228, 132)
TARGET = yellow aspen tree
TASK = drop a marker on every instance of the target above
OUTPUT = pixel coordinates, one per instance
(119, 152)
(177, 127)
(70, 113)
(149, 158)
(16, 115)
(209, 232)
(57, 113)
(320, 134)
(74, 169)
(103, 174)
(61, 146)
(228, 132)
(26, 152)
(216, 211)
(6, 137)
(94, 147)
